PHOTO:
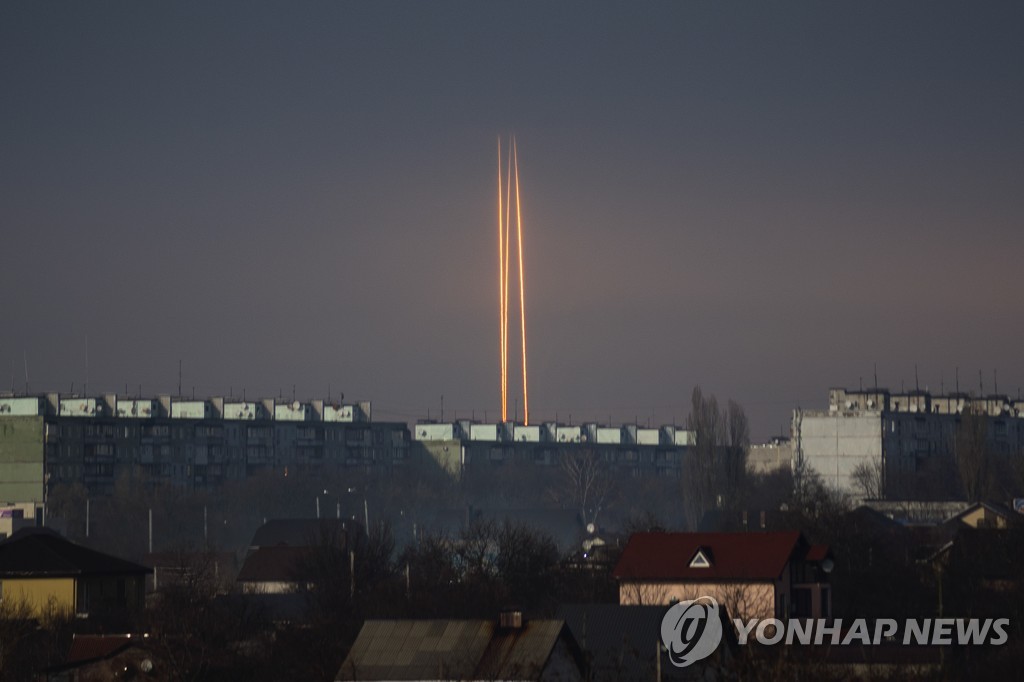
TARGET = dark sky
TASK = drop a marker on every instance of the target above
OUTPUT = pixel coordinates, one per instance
(765, 200)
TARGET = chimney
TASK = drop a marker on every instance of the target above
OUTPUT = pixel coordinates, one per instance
(510, 619)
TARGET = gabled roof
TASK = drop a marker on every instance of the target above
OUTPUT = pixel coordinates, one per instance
(451, 650)
(618, 641)
(40, 552)
(733, 556)
(991, 508)
(272, 564)
(88, 648)
(301, 532)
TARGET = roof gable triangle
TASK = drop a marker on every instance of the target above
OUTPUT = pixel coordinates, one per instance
(702, 559)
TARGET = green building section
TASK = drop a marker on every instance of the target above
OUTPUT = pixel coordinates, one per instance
(447, 454)
(21, 459)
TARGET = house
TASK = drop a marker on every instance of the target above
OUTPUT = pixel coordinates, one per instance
(623, 643)
(280, 548)
(507, 648)
(98, 658)
(46, 571)
(754, 575)
(216, 570)
(986, 515)
(272, 570)
(14, 517)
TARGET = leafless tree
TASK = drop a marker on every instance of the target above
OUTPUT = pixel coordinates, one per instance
(868, 477)
(971, 453)
(590, 485)
(716, 464)
(734, 465)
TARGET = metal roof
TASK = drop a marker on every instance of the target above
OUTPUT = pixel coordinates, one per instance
(450, 649)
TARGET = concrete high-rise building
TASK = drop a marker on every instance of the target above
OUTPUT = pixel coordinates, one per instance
(629, 449)
(196, 444)
(905, 440)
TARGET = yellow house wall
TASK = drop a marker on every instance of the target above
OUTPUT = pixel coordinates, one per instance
(741, 599)
(38, 592)
(975, 518)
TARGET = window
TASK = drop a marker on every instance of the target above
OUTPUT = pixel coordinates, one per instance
(701, 559)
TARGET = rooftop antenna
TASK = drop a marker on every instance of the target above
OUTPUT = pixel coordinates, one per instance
(981, 384)
(942, 383)
(957, 379)
(876, 376)
(917, 384)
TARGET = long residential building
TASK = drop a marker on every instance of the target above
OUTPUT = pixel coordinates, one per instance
(628, 449)
(901, 443)
(196, 444)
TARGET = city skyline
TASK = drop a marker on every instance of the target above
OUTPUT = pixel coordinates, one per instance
(765, 202)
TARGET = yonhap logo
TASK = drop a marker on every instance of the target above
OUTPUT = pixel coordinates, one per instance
(691, 630)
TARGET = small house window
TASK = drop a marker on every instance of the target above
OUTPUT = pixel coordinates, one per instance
(701, 559)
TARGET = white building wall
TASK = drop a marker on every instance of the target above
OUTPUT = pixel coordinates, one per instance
(527, 434)
(647, 436)
(141, 409)
(835, 443)
(486, 432)
(79, 407)
(190, 409)
(434, 432)
(246, 410)
(21, 407)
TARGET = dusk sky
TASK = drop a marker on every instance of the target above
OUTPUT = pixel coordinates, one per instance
(763, 199)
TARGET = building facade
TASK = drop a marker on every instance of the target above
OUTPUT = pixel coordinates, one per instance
(196, 444)
(629, 450)
(898, 443)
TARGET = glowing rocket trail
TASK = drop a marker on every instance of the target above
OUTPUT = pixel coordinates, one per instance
(501, 290)
(522, 294)
(504, 269)
(504, 293)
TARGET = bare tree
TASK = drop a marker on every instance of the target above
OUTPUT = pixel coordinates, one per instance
(734, 466)
(971, 453)
(716, 464)
(867, 476)
(590, 485)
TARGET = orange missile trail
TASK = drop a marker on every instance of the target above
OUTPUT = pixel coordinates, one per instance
(501, 289)
(522, 294)
(508, 252)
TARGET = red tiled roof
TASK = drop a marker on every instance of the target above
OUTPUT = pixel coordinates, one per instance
(733, 556)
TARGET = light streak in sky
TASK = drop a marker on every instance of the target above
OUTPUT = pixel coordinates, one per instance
(501, 292)
(504, 254)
